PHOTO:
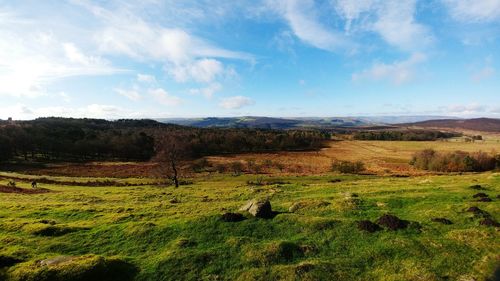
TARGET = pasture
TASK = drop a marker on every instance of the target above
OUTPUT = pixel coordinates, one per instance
(166, 233)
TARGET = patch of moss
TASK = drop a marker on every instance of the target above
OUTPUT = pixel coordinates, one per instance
(82, 268)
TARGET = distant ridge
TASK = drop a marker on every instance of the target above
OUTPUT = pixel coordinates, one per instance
(297, 122)
(268, 122)
(476, 124)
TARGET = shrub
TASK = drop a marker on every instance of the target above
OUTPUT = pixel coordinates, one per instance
(200, 165)
(348, 167)
(236, 167)
(457, 161)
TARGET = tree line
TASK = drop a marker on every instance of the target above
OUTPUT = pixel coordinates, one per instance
(407, 135)
(457, 161)
(69, 139)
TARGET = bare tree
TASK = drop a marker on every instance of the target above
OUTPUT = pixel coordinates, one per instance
(170, 150)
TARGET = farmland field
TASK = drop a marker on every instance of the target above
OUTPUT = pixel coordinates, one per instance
(150, 232)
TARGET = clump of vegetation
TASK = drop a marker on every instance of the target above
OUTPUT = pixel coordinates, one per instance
(442, 220)
(236, 168)
(368, 226)
(233, 217)
(392, 222)
(458, 161)
(348, 167)
(409, 135)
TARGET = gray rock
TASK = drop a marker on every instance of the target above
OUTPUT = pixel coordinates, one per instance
(55, 261)
(260, 208)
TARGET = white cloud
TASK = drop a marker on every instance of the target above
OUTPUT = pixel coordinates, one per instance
(351, 10)
(186, 57)
(396, 24)
(393, 20)
(64, 96)
(203, 70)
(397, 72)
(236, 102)
(303, 20)
(146, 78)
(131, 94)
(208, 91)
(474, 10)
(164, 98)
(466, 109)
(30, 60)
(495, 109)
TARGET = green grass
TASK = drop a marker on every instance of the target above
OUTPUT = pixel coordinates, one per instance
(140, 227)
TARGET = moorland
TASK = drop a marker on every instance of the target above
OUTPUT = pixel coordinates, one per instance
(107, 209)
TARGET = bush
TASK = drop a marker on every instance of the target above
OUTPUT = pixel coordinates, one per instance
(348, 167)
(236, 167)
(200, 165)
(457, 161)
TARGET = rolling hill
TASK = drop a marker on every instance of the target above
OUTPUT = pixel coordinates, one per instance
(476, 124)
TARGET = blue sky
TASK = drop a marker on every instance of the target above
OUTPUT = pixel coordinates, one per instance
(290, 58)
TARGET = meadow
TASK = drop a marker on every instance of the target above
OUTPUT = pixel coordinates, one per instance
(152, 232)
(113, 221)
(379, 157)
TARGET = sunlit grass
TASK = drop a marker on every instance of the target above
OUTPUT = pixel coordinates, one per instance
(188, 241)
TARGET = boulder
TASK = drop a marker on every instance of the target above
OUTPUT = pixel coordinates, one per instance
(260, 208)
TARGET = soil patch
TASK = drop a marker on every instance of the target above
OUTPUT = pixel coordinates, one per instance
(13, 189)
(484, 199)
(368, 226)
(477, 187)
(478, 212)
(489, 222)
(442, 220)
(392, 222)
(480, 195)
(7, 261)
(233, 217)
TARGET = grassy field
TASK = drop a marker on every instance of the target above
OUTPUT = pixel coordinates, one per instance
(380, 157)
(164, 233)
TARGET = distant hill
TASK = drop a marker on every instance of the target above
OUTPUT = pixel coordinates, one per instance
(298, 122)
(477, 124)
(404, 119)
(268, 122)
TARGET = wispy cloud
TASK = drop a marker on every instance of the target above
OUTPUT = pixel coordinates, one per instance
(208, 91)
(474, 10)
(146, 78)
(302, 17)
(393, 20)
(131, 94)
(398, 72)
(236, 102)
(165, 98)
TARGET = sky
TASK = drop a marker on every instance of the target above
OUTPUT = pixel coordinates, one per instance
(285, 58)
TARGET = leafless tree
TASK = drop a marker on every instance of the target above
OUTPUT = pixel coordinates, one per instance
(170, 150)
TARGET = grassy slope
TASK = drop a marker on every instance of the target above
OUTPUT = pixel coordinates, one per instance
(188, 241)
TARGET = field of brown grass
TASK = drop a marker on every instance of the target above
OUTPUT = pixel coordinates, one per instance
(379, 157)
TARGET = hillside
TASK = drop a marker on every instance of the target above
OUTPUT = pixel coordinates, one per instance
(268, 122)
(477, 124)
(298, 122)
